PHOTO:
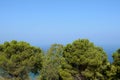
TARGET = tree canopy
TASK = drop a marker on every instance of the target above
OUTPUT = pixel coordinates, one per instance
(79, 60)
(116, 63)
(86, 59)
(52, 63)
(17, 59)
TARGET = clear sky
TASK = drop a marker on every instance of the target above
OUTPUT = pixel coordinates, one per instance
(44, 22)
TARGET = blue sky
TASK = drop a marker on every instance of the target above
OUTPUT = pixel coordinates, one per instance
(44, 22)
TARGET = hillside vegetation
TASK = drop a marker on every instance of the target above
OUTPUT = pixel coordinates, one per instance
(79, 60)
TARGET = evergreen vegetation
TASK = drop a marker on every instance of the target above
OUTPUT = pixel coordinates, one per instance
(17, 59)
(79, 60)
